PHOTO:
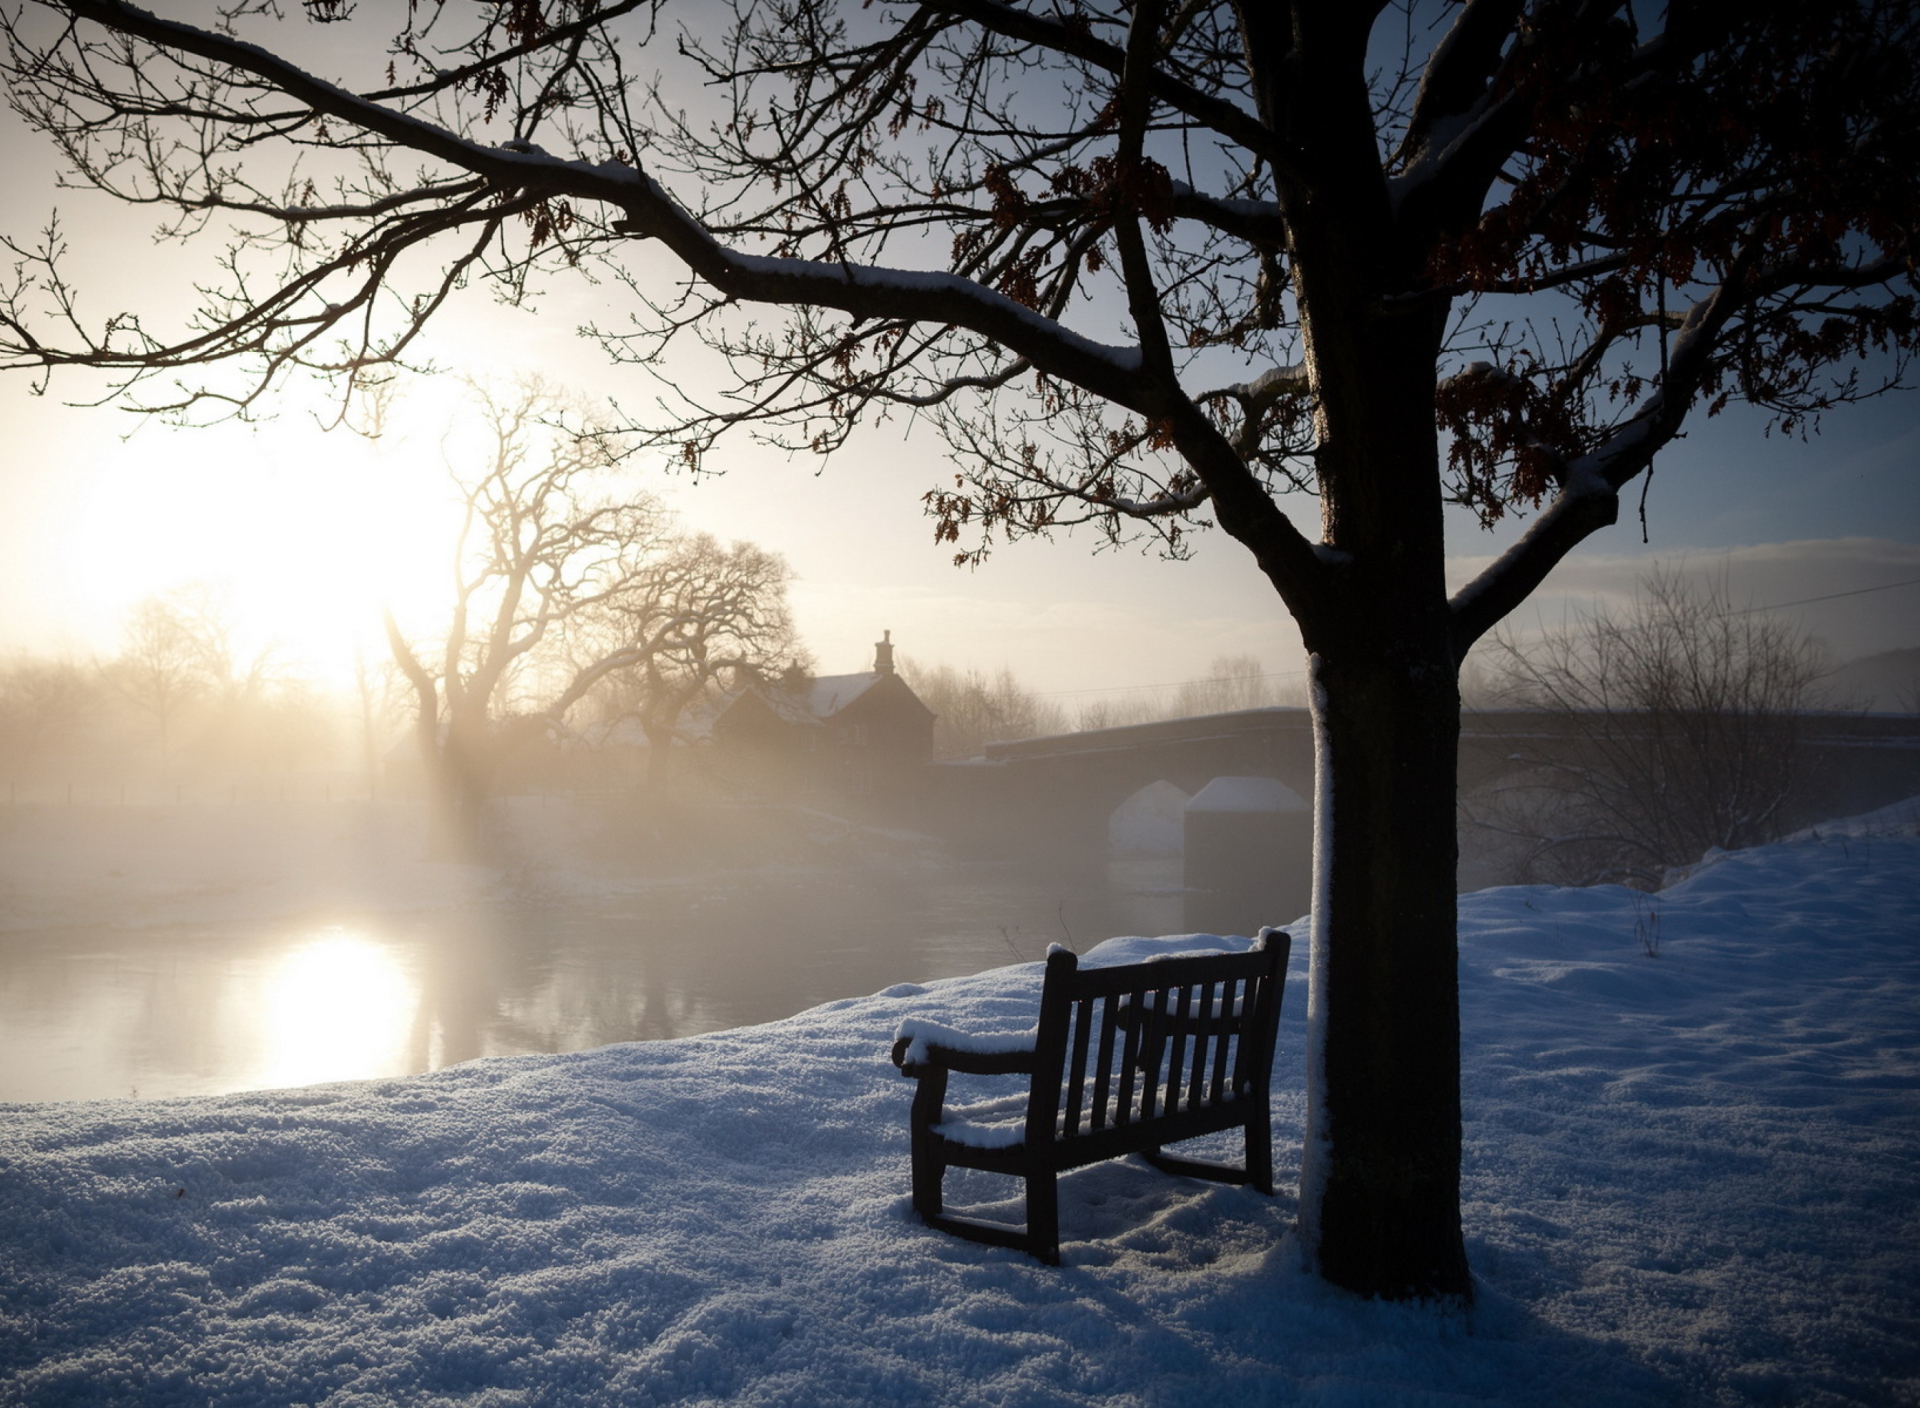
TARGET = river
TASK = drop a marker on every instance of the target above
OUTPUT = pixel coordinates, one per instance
(170, 954)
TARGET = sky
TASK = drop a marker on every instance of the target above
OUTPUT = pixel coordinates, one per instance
(310, 533)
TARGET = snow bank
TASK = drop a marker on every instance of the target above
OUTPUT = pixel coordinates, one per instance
(1690, 1178)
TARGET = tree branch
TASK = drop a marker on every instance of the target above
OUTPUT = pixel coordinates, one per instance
(1223, 117)
(1588, 498)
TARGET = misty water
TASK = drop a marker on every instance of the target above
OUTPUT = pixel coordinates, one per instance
(158, 952)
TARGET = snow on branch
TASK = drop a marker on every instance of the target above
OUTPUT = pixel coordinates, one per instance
(649, 211)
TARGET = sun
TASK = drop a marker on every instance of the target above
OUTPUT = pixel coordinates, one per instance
(336, 1007)
(307, 534)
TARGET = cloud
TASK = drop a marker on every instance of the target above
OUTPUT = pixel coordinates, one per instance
(1846, 590)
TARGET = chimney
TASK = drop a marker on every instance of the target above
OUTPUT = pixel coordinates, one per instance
(883, 654)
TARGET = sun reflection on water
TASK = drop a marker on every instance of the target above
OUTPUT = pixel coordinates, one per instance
(337, 1007)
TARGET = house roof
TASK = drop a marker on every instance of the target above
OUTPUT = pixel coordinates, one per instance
(814, 701)
(832, 693)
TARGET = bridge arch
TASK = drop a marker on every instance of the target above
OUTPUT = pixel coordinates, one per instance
(1149, 822)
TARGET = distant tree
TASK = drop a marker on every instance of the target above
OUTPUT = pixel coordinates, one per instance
(1118, 711)
(163, 665)
(698, 612)
(1172, 263)
(209, 702)
(251, 713)
(974, 709)
(46, 707)
(1681, 725)
(1232, 682)
(539, 544)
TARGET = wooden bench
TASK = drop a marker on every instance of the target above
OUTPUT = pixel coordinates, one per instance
(1122, 1060)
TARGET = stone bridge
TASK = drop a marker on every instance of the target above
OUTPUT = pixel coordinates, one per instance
(1056, 794)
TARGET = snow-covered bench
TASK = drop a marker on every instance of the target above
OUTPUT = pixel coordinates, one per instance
(1122, 1060)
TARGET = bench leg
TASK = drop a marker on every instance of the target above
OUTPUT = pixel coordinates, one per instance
(1260, 1150)
(1043, 1216)
(929, 1172)
(929, 1169)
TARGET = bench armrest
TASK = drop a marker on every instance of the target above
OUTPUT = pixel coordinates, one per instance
(921, 1046)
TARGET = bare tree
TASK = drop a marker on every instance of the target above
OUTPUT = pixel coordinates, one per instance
(974, 709)
(45, 709)
(251, 712)
(538, 545)
(1232, 682)
(163, 666)
(210, 702)
(1680, 725)
(1172, 262)
(696, 613)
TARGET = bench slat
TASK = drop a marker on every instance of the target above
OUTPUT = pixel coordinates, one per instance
(1243, 1058)
(1109, 1024)
(1165, 972)
(1176, 1047)
(1076, 1083)
(1209, 1022)
(1229, 990)
(1153, 1054)
(1129, 1061)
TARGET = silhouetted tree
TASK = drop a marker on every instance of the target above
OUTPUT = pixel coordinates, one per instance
(1681, 726)
(1232, 682)
(1169, 262)
(539, 543)
(698, 612)
(209, 701)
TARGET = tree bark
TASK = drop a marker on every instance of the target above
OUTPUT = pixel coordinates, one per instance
(1380, 1189)
(1380, 1192)
(1380, 1181)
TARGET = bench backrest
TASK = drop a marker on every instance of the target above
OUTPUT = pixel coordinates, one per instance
(1123, 1053)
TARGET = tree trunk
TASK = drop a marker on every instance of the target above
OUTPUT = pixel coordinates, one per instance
(457, 792)
(1380, 1190)
(1380, 1205)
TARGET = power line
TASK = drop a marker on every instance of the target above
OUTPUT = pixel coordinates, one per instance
(1830, 596)
(1173, 684)
(1299, 674)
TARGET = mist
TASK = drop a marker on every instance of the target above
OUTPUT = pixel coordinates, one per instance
(222, 875)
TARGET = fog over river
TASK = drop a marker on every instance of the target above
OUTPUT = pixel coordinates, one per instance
(159, 951)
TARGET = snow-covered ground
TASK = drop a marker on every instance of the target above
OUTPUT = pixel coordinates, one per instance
(1691, 1178)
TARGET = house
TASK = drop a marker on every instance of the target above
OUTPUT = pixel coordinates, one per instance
(863, 735)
